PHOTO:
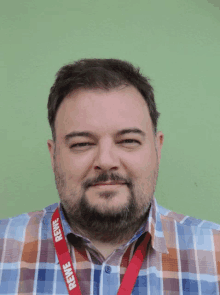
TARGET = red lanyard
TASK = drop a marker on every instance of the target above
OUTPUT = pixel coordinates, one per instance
(66, 265)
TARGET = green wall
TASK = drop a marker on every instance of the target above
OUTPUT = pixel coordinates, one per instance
(175, 42)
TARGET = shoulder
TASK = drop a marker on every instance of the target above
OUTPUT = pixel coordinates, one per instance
(189, 232)
(25, 226)
(185, 220)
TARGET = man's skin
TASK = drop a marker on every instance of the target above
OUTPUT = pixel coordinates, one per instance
(77, 168)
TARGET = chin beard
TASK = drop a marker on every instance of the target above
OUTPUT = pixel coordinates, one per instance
(111, 226)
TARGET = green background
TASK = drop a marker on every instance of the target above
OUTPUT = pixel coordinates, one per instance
(175, 42)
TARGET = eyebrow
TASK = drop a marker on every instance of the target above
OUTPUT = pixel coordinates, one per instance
(91, 135)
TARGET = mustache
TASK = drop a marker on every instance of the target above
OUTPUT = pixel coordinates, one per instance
(104, 177)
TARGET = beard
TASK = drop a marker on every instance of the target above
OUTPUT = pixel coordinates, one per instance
(102, 223)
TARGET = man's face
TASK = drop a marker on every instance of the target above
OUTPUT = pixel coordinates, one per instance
(80, 162)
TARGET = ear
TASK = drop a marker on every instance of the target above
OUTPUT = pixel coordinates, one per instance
(159, 143)
(51, 148)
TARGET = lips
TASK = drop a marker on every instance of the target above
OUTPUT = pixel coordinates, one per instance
(109, 183)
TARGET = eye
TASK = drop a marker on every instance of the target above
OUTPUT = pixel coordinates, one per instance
(81, 144)
(131, 141)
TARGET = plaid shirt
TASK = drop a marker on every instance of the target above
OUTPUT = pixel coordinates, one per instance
(183, 257)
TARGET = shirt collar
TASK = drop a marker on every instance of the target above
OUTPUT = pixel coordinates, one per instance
(153, 225)
(155, 228)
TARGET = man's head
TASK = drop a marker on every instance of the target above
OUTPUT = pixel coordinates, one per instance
(112, 105)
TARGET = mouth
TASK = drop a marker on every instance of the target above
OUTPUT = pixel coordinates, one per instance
(107, 186)
(109, 183)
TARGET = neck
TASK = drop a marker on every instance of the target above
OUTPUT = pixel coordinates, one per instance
(105, 249)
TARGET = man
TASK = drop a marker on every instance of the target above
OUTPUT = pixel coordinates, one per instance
(107, 235)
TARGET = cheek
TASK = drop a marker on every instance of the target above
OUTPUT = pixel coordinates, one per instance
(74, 165)
(146, 161)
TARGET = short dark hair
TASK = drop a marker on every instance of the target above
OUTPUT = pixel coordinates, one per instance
(103, 74)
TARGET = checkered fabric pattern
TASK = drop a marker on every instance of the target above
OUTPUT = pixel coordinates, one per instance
(183, 257)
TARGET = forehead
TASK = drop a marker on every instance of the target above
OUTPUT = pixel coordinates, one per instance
(103, 111)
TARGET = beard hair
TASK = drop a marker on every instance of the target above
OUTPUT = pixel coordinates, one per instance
(110, 226)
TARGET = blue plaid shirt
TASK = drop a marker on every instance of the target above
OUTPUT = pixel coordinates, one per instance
(183, 257)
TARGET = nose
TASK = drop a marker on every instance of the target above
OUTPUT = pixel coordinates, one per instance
(106, 158)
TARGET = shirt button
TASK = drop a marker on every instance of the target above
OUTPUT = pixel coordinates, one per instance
(108, 269)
